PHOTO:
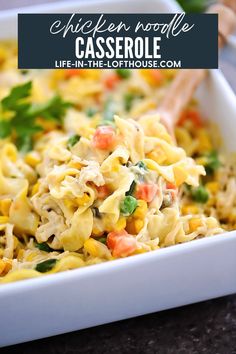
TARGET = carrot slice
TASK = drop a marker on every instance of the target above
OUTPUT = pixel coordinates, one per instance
(72, 72)
(193, 116)
(102, 191)
(146, 191)
(111, 81)
(121, 243)
(104, 138)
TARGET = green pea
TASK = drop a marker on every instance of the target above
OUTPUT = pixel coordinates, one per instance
(45, 266)
(213, 162)
(200, 194)
(128, 205)
(123, 73)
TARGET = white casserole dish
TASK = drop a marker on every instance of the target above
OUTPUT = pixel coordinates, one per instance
(124, 288)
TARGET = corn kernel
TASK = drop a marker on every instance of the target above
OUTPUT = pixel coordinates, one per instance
(232, 216)
(194, 224)
(4, 219)
(189, 209)
(201, 160)
(170, 73)
(213, 187)
(75, 164)
(8, 265)
(91, 247)
(140, 251)
(150, 77)
(138, 223)
(121, 224)
(211, 201)
(2, 266)
(35, 189)
(48, 125)
(130, 226)
(211, 222)
(56, 76)
(115, 165)
(96, 231)
(96, 249)
(3, 54)
(20, 255)
(141, 209)
(204, 141)
(93, 74)
(185, 140)
(83, 200)
(5, 266)
(32, 158)
(31, 256)
(16, 242)
(5, 206)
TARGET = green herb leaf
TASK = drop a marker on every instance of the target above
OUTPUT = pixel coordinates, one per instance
(24, 71)
(96, 212)
(132, 188)
(194, 5)
(90, 112)
(24, 143)
(102, 240)
(123, 73)
(128, 101)
(109, 110)
(24, 114)
(200, 194)
(141, 165)
(54, 109)
(13, 100)
(5, 128)
(46, 265)
(43, 247)
(73, 140)
(128, 205)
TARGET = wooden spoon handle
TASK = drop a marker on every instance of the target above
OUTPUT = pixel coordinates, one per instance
(180, 92)
(186, 81)
(226, 22)
(229, 3)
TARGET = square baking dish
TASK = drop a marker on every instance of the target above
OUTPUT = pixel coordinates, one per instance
(162, 279)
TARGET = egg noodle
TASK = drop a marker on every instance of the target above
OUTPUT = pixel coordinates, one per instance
(88, 174)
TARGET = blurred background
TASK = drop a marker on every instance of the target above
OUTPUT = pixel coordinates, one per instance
(227, 61)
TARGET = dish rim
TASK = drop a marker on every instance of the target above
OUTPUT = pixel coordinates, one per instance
(132, 261)
(115, 265)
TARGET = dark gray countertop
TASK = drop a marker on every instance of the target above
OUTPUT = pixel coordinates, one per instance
(208, 327)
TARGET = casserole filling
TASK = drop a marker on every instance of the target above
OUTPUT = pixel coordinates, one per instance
(88, 174)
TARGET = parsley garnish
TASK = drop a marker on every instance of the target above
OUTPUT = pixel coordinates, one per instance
(43, 247)
(73, 140)
(18, 115)
(131, 188)
(45, 266)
